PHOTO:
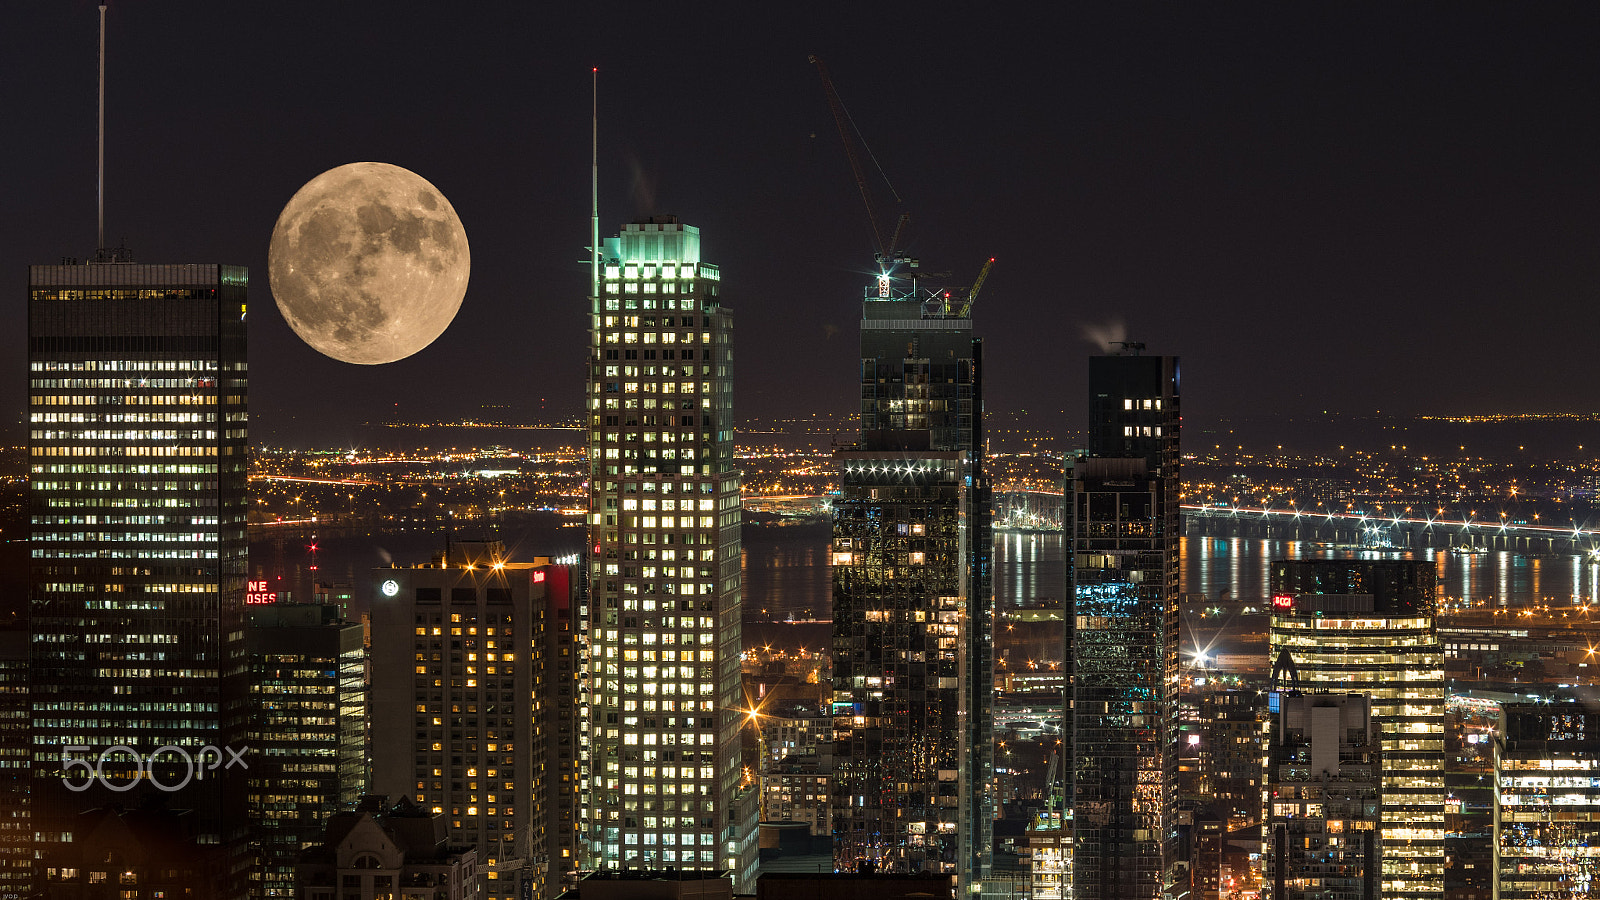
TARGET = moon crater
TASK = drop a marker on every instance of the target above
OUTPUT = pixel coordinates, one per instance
(368, 263)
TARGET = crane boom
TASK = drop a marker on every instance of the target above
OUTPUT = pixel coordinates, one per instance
(841, 118)
(972, 296)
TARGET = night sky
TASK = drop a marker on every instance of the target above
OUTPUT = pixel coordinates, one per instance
(1328, 206)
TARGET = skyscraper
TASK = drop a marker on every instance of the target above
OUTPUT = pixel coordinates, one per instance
(1547, 801)
(466, 709)
(664, 524)
(1368, 626)
(307, 732)
(912, 597)
(136, 503)
(1122, 628)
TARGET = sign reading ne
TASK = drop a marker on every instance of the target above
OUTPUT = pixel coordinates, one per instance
(256, 594)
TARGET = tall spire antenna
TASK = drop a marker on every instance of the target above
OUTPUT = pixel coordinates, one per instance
(100, 182)
(594, 186)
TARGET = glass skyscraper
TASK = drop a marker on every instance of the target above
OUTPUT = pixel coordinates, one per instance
(1122, 629)
(136, 503)
(663, 689)
(912, 598)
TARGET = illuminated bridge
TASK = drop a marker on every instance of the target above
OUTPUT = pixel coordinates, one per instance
(1386, 532)
(1030, 509)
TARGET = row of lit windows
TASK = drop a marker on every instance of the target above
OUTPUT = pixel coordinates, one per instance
(124, 435)
(86, 417)
(127, 468)
(651, 337)
(121, 520)
(123, 451)
(135, 536)
(132, 400)
(114, 383)
(126, 365)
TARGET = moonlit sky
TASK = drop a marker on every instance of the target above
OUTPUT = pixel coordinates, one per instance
(1335, 206)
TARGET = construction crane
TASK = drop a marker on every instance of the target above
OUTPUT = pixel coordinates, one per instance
(841, 117)
(972, 295)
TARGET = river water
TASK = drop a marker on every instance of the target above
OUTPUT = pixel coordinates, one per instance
(786, 575)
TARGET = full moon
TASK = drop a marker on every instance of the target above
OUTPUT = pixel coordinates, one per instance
(368, 263)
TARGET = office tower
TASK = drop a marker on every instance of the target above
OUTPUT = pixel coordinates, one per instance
(307, 732)
(1547, 802)
(16, 827)
(379, 851)
(465, 706)
(664, 519)
(1324, 784)
(912, 599)
(136, 504)
(1367, 626)
(1122, 629)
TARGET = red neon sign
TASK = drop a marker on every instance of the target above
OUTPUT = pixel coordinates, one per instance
(256, 594)
(1282, 602)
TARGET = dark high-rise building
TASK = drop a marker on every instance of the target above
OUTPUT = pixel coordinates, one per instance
(1368, 626)
(466, 709)
(16, 827)
(1547, 801)
(664, 530)
(136, 504)
(307, 732)
(1122, 629)
(912, 597)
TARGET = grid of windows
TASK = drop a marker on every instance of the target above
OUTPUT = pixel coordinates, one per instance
(665, 511)
(137, 497)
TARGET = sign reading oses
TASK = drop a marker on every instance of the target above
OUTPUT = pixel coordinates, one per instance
(390, 588)
(256, 594)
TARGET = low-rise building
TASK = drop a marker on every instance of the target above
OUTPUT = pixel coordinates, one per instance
(394, 852)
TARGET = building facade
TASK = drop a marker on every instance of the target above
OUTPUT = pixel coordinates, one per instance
(1122, 630)
(1324, 792)
(1547, 801)
(384, 851)
(663, 687)
(466, 711)
(913, 658)
(1367, 626)
(306, 733)
(16, 826)
(136, 501)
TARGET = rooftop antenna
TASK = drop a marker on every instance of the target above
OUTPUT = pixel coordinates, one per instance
(594, 185)
(100, 185)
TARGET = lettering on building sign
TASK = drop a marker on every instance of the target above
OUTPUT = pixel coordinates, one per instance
(538, 576)
(256, 594)
(1282, 601)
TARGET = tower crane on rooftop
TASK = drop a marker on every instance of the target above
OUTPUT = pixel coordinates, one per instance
(889, 251)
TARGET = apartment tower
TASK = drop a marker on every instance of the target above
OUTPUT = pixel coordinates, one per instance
(912, 596)
(467, 710)
(1122, 629)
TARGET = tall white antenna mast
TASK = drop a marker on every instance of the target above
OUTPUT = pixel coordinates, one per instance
(100, 183)
(594, 187)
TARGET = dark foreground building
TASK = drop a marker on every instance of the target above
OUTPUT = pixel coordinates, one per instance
(1122, 629)
(136, 505)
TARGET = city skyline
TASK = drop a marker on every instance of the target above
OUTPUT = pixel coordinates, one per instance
(1280, 167)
